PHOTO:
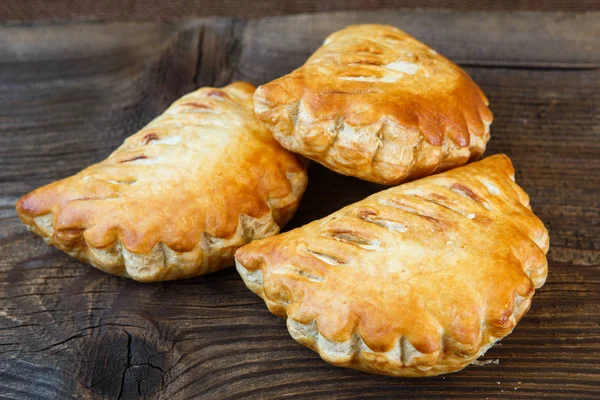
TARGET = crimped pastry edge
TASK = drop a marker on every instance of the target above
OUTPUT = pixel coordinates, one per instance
(163, 263)
(439, 158)
(403, 360)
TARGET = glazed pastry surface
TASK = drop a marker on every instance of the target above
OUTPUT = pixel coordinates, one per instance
(375, 103)
(178, 197)
(417, 280)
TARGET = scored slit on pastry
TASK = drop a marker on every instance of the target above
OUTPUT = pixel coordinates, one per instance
(178, 197)
(417, 280)
(375, 103)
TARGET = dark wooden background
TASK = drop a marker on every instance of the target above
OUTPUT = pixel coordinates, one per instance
(156, 10)
(70, 93)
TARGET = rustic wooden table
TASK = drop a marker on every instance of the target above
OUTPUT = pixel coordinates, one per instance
(70, 93)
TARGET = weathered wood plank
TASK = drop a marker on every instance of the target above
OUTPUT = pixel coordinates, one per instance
(150, 10)
(70, 93)
(503, 39)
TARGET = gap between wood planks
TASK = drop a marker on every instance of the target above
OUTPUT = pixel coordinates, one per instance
(228, 47)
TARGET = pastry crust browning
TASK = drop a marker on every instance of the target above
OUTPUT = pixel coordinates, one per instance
(178, 197)
(417, 280)
(377, 104)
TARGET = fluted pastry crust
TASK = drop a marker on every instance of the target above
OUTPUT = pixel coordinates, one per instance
(417, 280)
(377, 104)
(178, 197)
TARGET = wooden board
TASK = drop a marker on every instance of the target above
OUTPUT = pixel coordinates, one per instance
(70, 93)
(152, 10)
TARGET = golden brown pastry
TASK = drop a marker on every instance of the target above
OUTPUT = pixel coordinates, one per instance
(417, 280)
(178, 197)
(377, 104)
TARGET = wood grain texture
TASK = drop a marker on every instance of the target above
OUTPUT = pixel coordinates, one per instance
(153, 10)
(69, 94)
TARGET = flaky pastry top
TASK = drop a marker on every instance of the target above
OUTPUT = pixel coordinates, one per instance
(189, 175)
(376, 103)
(447, 263)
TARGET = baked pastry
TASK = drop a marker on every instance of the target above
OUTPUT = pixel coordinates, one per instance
(417, 280)
(377, 104)
(178, 197)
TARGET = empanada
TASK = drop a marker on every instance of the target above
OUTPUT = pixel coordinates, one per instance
(377, 104)
(178, 197)
(417, 280)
